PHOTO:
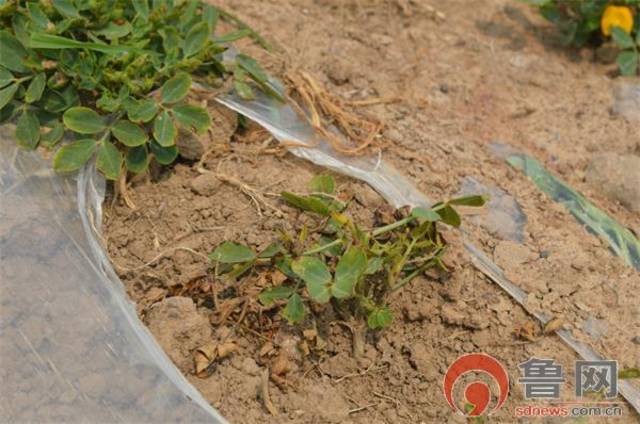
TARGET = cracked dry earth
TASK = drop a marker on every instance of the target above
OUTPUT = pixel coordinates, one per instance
(468, 74)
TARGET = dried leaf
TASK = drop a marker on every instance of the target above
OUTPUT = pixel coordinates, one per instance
(553, 325)
(204, 357)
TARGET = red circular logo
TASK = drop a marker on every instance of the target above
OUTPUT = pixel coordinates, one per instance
(477, 393)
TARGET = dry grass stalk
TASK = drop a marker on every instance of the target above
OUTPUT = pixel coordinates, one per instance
(325, 110)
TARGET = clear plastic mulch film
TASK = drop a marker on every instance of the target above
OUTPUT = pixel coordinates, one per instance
(71, 346)
(621, 240)
(285, 125)
(504, 216)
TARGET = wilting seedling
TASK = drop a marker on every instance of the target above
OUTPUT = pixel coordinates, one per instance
(341, 263)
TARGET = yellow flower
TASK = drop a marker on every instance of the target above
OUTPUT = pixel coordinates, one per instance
(616, 16)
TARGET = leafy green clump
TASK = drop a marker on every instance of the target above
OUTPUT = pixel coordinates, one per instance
(594, 21)
(628, 59)
(115, 75)
(341, 263)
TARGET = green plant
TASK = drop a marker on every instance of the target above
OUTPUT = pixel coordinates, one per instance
(629, 56)
(115, 75)
(340, 263)
(592, 21)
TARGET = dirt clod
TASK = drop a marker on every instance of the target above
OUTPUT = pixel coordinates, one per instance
(179, 328)
(617, 177)
(205, 184)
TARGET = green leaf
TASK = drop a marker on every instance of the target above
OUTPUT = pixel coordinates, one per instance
(374, 265)
(283, 265)
(350, 268)
(66, 8)
(449, 216)
(306, 203)
(28, 130)
(269, 296)
(40, 40)
(7, 113)
(176, 88)
(232, 253)
(294, 311)
(243, 89)
(164, 131)
(379, 318)
(37, 15)
(142, 110)
(316, 275)
(250, 65)
(142, 8)
(171, 40)
(323, 184)
(114, 31)
(137, 159)
(164, 155)
(13, 52)
(622, 39)
(109, 160)
(426, 214)
(628, 62)
(196, 39)
(210, 16)
(53, 136)
(6, 77)
(73, 156)
(36, 88)
(272, 250)
(232, 36)
(7, 93)
(473, 200)
(53, 102)
(192, 117)
(83, 120)
(129, 133)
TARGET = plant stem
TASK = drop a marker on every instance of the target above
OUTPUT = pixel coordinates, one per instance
(323, 247)
(392, 226)
(435, 257)
(409, 277)
(241, 25)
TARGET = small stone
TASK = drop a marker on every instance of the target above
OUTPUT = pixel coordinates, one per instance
(626, 94)
(617, 177)
(190, 145)
(205, 184)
